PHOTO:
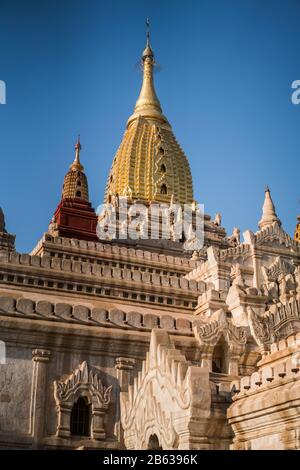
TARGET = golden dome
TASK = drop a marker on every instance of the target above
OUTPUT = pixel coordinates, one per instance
(75, 182)
(150, 164)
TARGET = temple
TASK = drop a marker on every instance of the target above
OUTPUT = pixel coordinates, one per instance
(142, 342)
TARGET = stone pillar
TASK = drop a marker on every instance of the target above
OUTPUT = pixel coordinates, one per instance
(233, 366)
(206, 360)
(192, 434)
(98, 431)
(124, 367)
(40, 359)
(257, 274)
(64, 417)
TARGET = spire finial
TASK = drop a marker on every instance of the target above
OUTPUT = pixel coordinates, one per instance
(269, 215)
(76, 165)
(148, 31)
(148, 104)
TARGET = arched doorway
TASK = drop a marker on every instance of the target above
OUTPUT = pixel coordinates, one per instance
(153, 443)
(80, 420)
(220, 358)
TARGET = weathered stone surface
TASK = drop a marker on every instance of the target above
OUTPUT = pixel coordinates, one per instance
(167, 322)
(56, 263)
(174, 281)
(66, 264)
(63, 310)
(127, 275)
(45, 308)
(99, 315)
(45, 262)
(7, 304)
(25, 306)
(81, 313)
(35, 261)
(117, 316)
(183, 325)
(150, 321)
(76, 266)
(134, 319)
(87, 268)
(24, 259)
(136, 275)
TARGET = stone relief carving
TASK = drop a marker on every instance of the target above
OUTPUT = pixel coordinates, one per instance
(280, 282)
(236, 276)
(209, 334)
(167, 387)
(82, 383)
(278, 323)
(274, 235)
(235, 238)
(218, 220)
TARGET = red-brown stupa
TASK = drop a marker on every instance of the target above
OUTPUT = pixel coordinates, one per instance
(75, 217)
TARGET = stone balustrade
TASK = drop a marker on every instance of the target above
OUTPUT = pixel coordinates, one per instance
(103, 249)
(107, 272)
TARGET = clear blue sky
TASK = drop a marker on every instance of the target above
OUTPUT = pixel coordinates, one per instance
(225, 85)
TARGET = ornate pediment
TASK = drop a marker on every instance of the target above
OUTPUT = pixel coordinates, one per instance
(280, 267)
(274, 235)
(82, 379)
(209, 333)
(281, 322)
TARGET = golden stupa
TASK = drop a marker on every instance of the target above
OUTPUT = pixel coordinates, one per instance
(150, 164)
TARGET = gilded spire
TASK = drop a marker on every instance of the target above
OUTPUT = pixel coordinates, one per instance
(150, 165)
(148, 104)
(269, 215)
(75, 183)
(76, 165)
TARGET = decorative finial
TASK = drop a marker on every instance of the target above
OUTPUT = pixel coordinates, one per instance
(76, 165)
(148, 105)
(78, 144)
(267, 189)
(148, 51)
(148, 31)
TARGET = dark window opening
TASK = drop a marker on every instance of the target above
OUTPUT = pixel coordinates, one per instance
(163, 189)
(78, 193)
(220, 358)
(78, 183)
(80, 418)
(163, 168)
(154, 443)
